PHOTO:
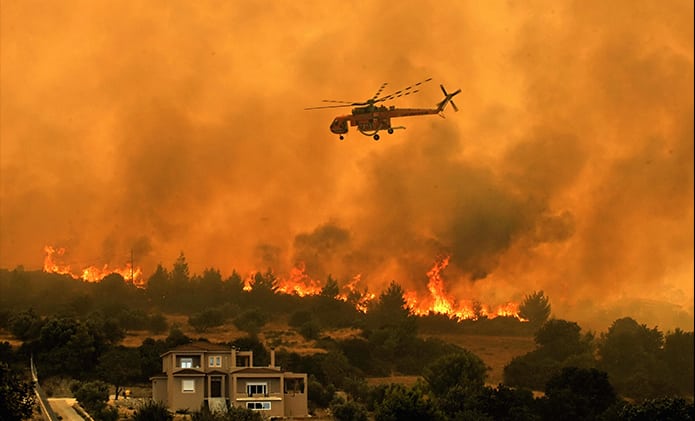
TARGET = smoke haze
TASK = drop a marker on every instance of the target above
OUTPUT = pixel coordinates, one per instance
(179, 127)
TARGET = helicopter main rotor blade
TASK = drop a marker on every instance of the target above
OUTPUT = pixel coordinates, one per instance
(403, 92)
(328, 106)
(381, 89)
(337, 102)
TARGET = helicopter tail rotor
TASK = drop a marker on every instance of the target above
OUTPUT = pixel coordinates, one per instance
(448, 98)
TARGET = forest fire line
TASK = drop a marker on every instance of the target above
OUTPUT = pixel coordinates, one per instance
(90, 273)
(298, 282)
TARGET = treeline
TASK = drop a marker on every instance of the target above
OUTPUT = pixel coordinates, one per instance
(641, 362)
(75, 329)
(211, 300)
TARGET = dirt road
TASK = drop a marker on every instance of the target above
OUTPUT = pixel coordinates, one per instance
(63, 408)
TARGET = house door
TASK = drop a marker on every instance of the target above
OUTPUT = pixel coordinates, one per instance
(215, 387)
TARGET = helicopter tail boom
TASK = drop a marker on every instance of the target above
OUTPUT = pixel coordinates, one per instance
(448, 98)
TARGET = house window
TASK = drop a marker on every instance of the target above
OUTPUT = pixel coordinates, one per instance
(256, 389)
(215, 361)
(294, 386)
(186, 362)
(262, 406)
(188, 386)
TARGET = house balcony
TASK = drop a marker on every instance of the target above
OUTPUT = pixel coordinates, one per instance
(240, 397)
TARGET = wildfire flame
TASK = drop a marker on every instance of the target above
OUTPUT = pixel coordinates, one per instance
(440, 302)
(91, 273)
(298, 282)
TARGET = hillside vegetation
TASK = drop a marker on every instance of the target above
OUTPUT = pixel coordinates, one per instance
(92, 332)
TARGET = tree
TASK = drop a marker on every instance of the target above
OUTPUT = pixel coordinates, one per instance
(508, 404)
(180, 284)
(310, 330)
(176, 337)
(16, 396)
(67, 346)
(251, 321)
(150, 360)
(578, 394)
(209, 288)
(662, 409)
(535, 308)
(464, 369)
(560, 344)
(348, 411)
(402, 404)
(261, 356)
(204, 320)
(112, 292)
(456, 381)
(559, 339)
(157, 323)
(159, 286)
(234, 286)
(331, 289)
(679, 348)
(119, 366)
(93, 397)
(391, 311)
(25, 325)
(630, 354)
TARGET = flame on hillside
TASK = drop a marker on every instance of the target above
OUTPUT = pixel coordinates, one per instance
(298, 282)
(52, 264)
(439, 301)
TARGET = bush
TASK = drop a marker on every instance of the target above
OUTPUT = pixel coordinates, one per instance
(206, 319)
(93, 396)
(233, 413)
(158, 323)
(663, 409)
(310, 330)
(299, 318)
(152, 411)
(251, 321)
(348, 411)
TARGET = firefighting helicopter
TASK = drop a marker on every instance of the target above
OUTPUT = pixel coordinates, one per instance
(370, 118)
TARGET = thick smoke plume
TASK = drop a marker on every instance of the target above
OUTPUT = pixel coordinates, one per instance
(180, 127)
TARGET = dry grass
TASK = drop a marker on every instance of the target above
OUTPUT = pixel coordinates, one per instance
(495, 351)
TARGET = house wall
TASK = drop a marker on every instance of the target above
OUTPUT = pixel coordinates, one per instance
(273, 385)
(296, 403)
(159, 390)
(166, 364)
(274, 396)
(186, 400)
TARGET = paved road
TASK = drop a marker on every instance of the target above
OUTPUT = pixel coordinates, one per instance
(63, 408)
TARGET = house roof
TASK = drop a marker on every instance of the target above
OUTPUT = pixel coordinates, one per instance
(200, 346)
(189, 371)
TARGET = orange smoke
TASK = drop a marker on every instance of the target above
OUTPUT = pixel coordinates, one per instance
(91, 273)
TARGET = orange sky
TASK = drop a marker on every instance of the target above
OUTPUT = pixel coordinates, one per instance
(180, 127)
